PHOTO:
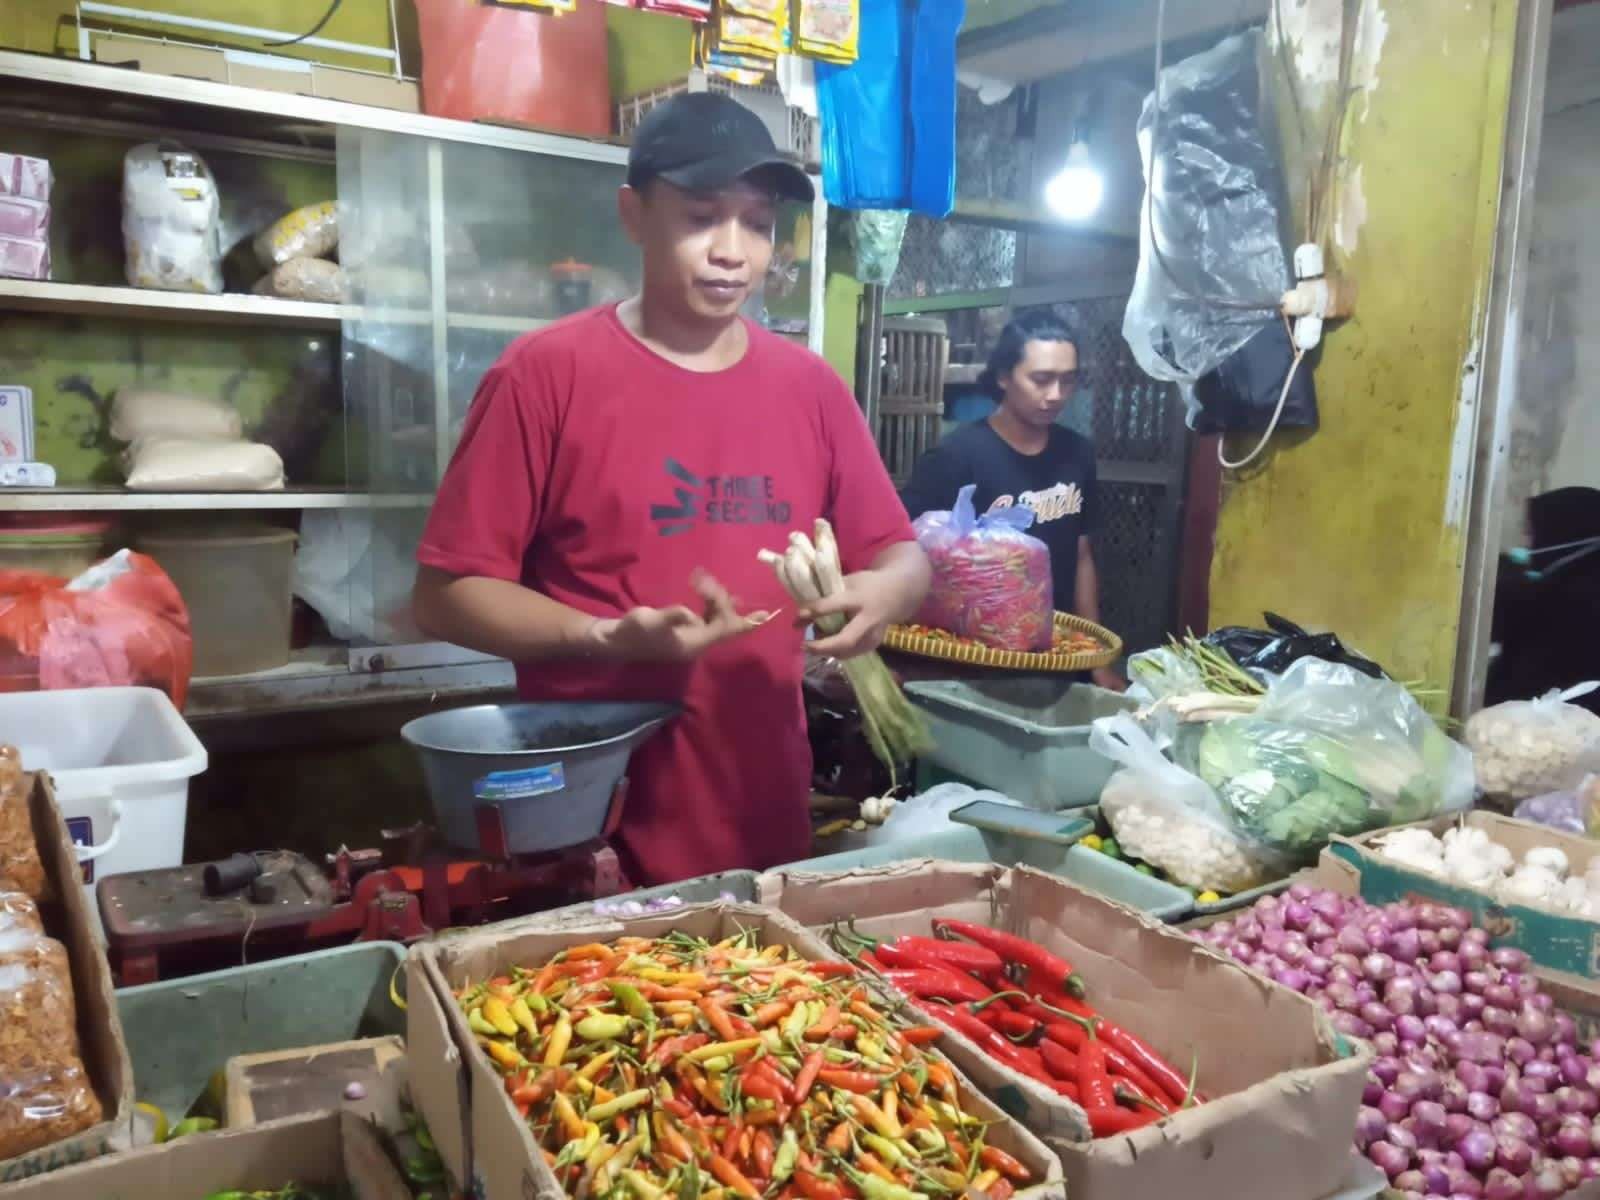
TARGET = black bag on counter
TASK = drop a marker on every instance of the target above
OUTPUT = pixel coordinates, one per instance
(1271, 650)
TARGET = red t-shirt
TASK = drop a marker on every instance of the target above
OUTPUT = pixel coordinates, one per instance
(601, 475)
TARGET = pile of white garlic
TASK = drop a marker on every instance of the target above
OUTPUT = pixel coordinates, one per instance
(1468, 856)
(1529, 748)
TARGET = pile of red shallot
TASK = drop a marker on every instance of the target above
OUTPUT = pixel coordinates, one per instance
(1480, 1087)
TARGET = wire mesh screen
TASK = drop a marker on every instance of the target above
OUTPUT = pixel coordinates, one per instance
(1137, 569)
(939, 257)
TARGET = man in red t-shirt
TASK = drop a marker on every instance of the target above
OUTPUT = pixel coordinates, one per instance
(619, 472)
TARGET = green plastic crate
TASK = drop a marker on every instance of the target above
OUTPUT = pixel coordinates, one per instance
(181, 1032)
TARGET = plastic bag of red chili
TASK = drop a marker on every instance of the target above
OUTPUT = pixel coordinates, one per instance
(991, 580)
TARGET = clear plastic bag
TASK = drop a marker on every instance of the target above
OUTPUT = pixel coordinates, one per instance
(1570, 812)
(314, 279)
(1332, 751)
(991, 581)
(309, 232)
(45, 1093)
(878, 234)
(1217, 218)
(171, 220)
(1169, 818)
(120, 623)
(19, 912)
(1526, 748)
(20, 867)
(929, 813)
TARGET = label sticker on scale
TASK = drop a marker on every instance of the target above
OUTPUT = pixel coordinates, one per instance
(520, 785)
(81, 831)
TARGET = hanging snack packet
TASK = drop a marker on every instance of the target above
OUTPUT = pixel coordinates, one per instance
(829, 29)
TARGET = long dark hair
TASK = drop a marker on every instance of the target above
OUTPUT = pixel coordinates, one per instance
(1038, 325)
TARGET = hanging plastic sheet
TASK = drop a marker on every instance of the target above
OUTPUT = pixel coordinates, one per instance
(889, 119)
(1213, 252)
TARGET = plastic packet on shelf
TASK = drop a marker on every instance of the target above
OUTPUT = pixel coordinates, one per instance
(19, 912)
(138, 413)
(171, 220)
(169, 464)
(23, 176)
(314, 279)
(1525, 748)
(46, 1094)
(1170, 818)
(309, 232)
(20, 866)
(24, 258)
(23, 218)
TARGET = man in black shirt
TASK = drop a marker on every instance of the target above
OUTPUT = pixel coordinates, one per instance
(1020, 455)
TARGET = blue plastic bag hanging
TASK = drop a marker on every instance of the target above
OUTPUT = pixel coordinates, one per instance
(991, 580)
(889, 119)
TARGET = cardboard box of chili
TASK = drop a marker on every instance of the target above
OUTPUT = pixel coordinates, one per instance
(328, 1150)
(485, 1139)
(66, 918)
(1280, 1101)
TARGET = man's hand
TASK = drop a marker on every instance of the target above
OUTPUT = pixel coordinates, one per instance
(677, 634)
(1106, 678)
(870, 603)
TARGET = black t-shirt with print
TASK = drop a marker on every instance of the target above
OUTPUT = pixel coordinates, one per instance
(1058, 483)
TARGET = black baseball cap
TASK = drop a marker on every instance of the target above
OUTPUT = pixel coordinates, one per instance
(703, 141)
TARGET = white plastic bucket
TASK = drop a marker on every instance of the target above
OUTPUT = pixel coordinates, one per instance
(121, 759)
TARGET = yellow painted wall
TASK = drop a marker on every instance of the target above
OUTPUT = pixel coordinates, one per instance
(1359, 527)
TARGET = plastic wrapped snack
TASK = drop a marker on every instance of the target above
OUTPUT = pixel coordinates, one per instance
(309, 232)
(45, 1094)
(20, 866)
(19, 913)
(314, 279)
(991, 581)
(171, 220)
(1172, 820)
(1526, 748)
(138, 413)
(166, 464)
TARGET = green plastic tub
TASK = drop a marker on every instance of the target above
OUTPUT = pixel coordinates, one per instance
(181, 1032)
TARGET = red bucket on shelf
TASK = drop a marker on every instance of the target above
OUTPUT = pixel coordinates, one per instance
(488, 63)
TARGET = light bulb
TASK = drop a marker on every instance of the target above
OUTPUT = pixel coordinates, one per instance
(1076, 190)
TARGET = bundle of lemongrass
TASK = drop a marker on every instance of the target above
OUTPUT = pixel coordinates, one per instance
(810, 571)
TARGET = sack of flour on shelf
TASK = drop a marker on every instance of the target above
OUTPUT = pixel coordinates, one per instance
(171, 220)
(174, 464)
(138, 413)
(46, 1094)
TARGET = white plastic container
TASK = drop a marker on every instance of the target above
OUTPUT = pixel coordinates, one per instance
(121, 759)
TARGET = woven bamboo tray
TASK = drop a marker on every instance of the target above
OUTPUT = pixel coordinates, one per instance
(902, 639)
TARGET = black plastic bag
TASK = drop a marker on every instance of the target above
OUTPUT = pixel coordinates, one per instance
(1241, 395)
(1271, 650)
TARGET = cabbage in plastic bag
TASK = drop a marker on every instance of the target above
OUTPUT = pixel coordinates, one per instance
(1332, 752)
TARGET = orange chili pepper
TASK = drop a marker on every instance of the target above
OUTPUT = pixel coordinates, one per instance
(731, 1177)
(838, 1138)
(717, 1017)
(872, 1166)
(768, 1014)
(825, 1025)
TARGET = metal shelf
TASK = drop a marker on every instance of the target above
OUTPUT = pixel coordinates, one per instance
(116, 499)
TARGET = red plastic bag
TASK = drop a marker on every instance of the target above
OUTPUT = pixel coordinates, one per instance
(991, 581)
(121, 623)
(486, 63)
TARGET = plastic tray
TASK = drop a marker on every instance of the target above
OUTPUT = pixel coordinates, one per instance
(1026, 738)
(181, 1032)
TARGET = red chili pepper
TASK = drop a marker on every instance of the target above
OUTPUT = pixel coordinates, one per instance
(922, 1035)
(815, 1188)
(1094, 1084)
(806, 1077)
(1059, 1061)
(1130, 1093)
(1055, 970)
(1015, 1025)
(761, 1085)
(763, 1151)
(862, 1083)
(1126, 1053)
(870, 959)
(997, 1159)
(1105, 1121)
(988, 1040)
(962, 957)
(925, 984)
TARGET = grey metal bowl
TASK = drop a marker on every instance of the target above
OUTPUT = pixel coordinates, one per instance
(548, 770)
